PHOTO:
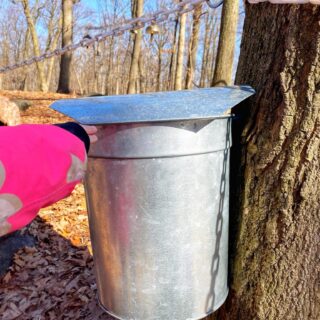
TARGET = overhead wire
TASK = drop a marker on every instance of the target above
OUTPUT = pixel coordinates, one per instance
(159, 16)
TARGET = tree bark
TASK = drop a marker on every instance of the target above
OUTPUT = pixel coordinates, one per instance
(209, 49)
(228, 29)
(212, 54)
(180, 53)
(67, 38)
(173, 56)
(36, 46)
(53, 46)
(109, 69)
(275, 255)
(26, 48)
(134, 67)
(159, 68)
(205, 51)
(78, 79)
(142, 75)
(193, 47)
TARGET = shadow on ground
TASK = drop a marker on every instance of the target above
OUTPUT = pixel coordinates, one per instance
(51, 280)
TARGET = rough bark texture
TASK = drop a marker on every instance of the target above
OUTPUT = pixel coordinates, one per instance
(275, 266)
(67, 37)
(134, 68)
(224, 62)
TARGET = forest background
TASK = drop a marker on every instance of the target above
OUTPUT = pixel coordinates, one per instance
(32, 27)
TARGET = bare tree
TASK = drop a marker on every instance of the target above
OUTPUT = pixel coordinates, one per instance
(142, 74)
(26, 50)
(173, 57)
(67, 38)
(116, 64)
(54, 27)
(212, 54)
(209, 48)
(13, 38)
(193, 46)
(180, 53)
(225, 55)
(36, 45)
(134, 68)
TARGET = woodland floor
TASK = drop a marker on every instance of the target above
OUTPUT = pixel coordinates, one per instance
(54, 279)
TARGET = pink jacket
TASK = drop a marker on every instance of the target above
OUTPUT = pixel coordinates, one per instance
(39, 165)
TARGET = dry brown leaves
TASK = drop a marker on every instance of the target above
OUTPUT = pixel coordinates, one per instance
(55, 279)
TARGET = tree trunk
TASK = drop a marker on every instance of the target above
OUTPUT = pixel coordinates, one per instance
(53, 46)
(205, 51)
(142, 75)
(78, 79)
(67, 38)
(180, 53)
(25, 56)
(109, 72)
(227, 40)
(212, 54)
(173, 56)
(94, 69)
(193, 47)
(209, 49)
(36, 46)
(160, 48)
(275, 255)
(134, 68)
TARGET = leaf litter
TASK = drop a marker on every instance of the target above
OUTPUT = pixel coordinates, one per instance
(54, 279)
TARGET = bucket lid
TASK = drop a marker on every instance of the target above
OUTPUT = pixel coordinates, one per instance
(208, 103)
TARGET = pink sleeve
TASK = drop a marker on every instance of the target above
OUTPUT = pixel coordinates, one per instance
(39, 165)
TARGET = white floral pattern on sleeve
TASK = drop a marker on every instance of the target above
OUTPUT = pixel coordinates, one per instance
(9, 204)
(77, 169)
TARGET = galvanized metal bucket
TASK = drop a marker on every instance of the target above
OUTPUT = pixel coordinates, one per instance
(157, 193)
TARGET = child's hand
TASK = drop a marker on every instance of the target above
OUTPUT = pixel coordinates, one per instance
(91, 131)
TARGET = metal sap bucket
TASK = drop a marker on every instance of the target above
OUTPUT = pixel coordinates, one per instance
(158, 199)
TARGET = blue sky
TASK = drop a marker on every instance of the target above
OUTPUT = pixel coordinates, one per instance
(92, 4)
